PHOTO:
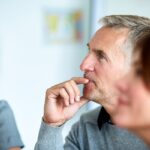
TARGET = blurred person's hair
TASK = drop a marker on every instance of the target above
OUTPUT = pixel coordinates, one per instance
(135, 24)
(142, 48)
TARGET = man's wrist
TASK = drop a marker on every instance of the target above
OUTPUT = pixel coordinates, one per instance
(56, 124)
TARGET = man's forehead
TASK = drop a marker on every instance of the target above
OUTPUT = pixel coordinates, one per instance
(108, 39)
(111, 32)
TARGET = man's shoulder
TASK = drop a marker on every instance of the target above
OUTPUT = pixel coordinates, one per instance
(87, 121)
(91, 116)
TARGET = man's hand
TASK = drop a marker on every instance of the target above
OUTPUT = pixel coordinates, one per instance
(62, 101)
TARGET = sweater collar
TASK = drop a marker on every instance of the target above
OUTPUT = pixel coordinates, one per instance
(103, 118)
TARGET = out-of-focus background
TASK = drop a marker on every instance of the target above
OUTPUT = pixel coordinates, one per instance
(43, 43)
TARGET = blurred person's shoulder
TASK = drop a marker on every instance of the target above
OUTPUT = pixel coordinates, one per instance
(5, 109)
(4, 104)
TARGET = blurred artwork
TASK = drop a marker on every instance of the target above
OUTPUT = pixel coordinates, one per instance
(62, 26)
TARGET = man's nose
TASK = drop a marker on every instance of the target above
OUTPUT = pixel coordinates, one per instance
(87, 64)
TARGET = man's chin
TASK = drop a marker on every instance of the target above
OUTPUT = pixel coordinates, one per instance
(88, 95)
(92, 95)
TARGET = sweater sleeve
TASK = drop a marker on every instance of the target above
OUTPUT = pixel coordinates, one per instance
(49, 138)
(9, 134)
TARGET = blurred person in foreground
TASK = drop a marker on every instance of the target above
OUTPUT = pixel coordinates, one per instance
(9, 135)
(133, 108)
(108, 59)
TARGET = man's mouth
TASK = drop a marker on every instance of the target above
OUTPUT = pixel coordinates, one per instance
(88, 77)
(90, 84)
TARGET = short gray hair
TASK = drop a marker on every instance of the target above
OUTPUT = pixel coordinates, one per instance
(135, 24)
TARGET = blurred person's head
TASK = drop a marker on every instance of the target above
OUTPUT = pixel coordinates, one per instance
(133, 108)
(109, 54)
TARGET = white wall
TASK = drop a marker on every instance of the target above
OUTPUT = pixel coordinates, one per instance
(28, 65)
(134, 7)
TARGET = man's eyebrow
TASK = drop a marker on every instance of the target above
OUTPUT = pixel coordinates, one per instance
(100, 53)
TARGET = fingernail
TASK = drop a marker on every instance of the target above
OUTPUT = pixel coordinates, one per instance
(87, 80)
(78, 98)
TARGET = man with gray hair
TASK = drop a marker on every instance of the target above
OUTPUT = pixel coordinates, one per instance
(107, 61)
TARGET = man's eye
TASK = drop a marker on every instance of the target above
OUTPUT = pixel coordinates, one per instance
(100, 56)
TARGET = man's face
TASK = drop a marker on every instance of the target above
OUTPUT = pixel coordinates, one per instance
(104, 65)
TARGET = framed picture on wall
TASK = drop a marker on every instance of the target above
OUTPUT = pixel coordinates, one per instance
(66, 23)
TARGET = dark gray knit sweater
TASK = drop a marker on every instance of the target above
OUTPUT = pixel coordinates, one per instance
(85, 135)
